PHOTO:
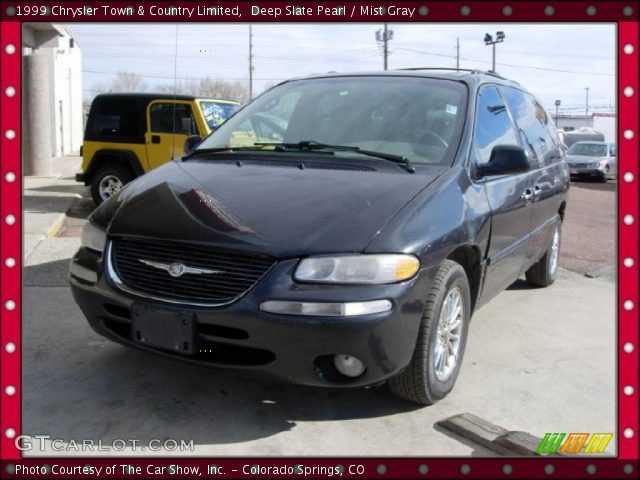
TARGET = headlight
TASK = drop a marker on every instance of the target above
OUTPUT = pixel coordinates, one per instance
(377, 269)
(93, 237)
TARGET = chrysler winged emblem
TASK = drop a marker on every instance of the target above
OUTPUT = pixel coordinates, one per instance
(177, 269)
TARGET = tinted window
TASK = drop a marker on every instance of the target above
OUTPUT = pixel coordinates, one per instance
(534, 125)
(588, 149)
(114, 118)
(493, 124)
(418, 118)
(217, 112)
(172, 118)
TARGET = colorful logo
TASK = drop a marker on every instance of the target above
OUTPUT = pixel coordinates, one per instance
(574, 443)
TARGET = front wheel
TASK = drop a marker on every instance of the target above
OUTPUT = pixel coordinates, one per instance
(436, 361)
(108, 181)
(543, 273)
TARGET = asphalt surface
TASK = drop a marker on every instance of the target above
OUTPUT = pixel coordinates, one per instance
(589, 228)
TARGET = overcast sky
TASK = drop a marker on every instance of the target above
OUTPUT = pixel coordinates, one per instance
(553, 61)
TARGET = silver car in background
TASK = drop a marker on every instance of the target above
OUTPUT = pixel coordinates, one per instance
(596, 159)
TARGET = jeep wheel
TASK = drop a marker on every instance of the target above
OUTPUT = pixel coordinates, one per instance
(543, 273)
(442, 337)
(108, 181)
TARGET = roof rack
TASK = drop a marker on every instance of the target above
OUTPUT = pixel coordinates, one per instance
(485, 72)
(442, 68)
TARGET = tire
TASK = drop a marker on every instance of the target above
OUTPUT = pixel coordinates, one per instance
(420, 381)
(109, 180)
(605, 175)
(543, 273)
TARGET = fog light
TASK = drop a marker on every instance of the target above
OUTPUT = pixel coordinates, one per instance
(348, 365)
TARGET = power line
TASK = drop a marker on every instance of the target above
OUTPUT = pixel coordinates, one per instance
(508, 64)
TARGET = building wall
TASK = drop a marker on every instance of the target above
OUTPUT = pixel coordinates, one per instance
(607, 125)
(52, 103)
(569, 123)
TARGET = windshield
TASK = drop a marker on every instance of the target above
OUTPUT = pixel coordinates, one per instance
(217, 112)
(418, 118)
(588, 149)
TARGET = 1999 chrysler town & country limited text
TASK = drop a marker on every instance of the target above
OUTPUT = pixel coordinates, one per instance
(339, 230)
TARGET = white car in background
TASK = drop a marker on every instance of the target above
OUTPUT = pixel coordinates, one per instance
(596, 159)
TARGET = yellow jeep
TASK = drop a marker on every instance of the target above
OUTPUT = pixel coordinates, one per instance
(128, 134)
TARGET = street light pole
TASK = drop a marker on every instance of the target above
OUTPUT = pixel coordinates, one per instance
(488, 40)
(557, 105)
(586, 107)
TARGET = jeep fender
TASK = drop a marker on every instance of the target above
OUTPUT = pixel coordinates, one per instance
(104, 156)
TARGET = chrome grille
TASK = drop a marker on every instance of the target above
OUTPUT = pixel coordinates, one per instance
(235, 273)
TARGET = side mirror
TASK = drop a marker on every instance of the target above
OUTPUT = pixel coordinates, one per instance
(191, 143)
(505, 160)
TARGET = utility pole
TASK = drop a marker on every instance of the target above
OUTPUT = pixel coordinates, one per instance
(250, 63)
(586, 107)
(384, 36)
(457, 53)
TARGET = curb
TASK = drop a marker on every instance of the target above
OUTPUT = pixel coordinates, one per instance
(55, 228)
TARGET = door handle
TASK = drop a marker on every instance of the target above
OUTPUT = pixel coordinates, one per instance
(537, 191)
(155, 138)
(527, 195)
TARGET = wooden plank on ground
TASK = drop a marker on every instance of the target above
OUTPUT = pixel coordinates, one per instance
(491, 436)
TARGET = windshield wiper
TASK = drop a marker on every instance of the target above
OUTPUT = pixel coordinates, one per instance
(198, 151)
(310, 145)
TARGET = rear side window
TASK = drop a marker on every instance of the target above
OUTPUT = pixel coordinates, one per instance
(172, 118)
(114, 119)
(534, 125)
(493, 124)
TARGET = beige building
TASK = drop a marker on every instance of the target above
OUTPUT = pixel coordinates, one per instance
(52, 122)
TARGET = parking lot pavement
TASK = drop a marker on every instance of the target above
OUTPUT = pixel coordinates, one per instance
(589, 229)
(538, 360)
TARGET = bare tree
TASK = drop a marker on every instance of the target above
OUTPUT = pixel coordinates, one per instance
(128, 82)
(211, 88)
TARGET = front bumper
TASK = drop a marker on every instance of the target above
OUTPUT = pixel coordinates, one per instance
(586, 171)
(292, 348)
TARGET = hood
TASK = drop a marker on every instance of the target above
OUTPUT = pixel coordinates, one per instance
(583, 159)
(262, 207)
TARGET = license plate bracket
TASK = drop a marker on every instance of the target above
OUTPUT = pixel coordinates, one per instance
(170, 330)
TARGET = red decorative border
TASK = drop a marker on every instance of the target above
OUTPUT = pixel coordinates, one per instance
(624, 466)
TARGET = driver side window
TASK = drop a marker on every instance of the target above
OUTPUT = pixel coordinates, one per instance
(493, 125)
